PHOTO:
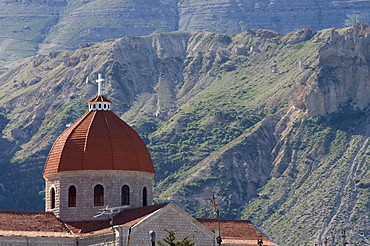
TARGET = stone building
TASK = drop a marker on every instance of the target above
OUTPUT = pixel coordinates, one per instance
(98, 178)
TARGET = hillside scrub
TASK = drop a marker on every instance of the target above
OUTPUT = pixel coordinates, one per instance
(274, 125)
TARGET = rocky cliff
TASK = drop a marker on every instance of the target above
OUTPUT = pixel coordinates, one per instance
(38, 26)
(344, 58)
(274, 124)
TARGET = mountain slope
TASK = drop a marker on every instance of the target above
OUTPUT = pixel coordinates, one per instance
(39, 26)
(274, 124)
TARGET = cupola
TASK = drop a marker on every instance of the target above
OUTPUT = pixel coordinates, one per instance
(99, 102)
(98, 161)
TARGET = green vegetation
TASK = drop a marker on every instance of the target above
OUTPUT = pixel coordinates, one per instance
(222, 111)
(170, 240)
(226, 117)
(23, 30)
(318, 177)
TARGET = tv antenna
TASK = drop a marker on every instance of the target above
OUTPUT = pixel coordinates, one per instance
(111, 212)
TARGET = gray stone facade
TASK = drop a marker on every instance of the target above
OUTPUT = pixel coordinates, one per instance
(172, 218)
(85, 181)
(36, 241)
(169, 217)
(100, 240)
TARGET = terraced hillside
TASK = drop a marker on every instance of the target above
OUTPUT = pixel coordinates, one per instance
(30, 27)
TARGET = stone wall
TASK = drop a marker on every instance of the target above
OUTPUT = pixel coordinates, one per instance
(100, 240)
(171, 218)
(36, 241)
(85, 181)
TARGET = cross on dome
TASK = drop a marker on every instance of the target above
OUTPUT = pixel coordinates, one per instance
(99, 102)
(99, 81)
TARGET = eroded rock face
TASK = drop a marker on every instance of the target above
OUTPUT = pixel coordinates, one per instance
(342, 79)
(236, 16)
(240, 98)
(66, 24)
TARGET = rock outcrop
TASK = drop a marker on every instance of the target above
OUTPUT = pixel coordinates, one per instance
(67, 24)
(343, 76)
(233, 116)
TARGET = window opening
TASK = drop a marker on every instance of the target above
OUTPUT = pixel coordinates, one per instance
(98, 195)
(145, 198)
(72, 196)
(52, 198)
(125, 196)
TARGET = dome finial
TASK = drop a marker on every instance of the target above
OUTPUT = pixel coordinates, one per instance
(99, 81)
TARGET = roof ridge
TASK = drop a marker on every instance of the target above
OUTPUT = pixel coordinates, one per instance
(99, 98)
(25, 212)
(119, 121)
(224, 220)
(110, 137)
(86, 137)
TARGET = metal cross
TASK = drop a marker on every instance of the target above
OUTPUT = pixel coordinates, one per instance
(99, 81)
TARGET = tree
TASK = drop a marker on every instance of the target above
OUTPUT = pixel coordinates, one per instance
(170, 240)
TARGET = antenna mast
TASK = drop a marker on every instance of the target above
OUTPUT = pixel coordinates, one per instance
(111, 212)
(217, 212)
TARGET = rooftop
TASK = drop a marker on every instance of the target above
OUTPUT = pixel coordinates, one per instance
(39, 224)
(99, 98)
(236, 232)
(45, 224)
(99, 140)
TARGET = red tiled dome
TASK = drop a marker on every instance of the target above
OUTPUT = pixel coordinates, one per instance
(99, 140)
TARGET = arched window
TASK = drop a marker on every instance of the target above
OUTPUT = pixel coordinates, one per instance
(52, 198)
(125, 195)
(98, 195)
(145, 197)
(72, 196)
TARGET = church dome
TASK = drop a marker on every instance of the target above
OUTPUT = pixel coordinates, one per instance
(99, 140)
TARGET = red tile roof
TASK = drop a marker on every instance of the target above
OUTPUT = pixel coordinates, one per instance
(99, 140)
(126, 217)
(237, 231)
(99, 98)
(132, 216)
(38, 224)
(17, 223)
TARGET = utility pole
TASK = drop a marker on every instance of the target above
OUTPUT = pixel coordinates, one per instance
(218, 239)
(217, 212)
